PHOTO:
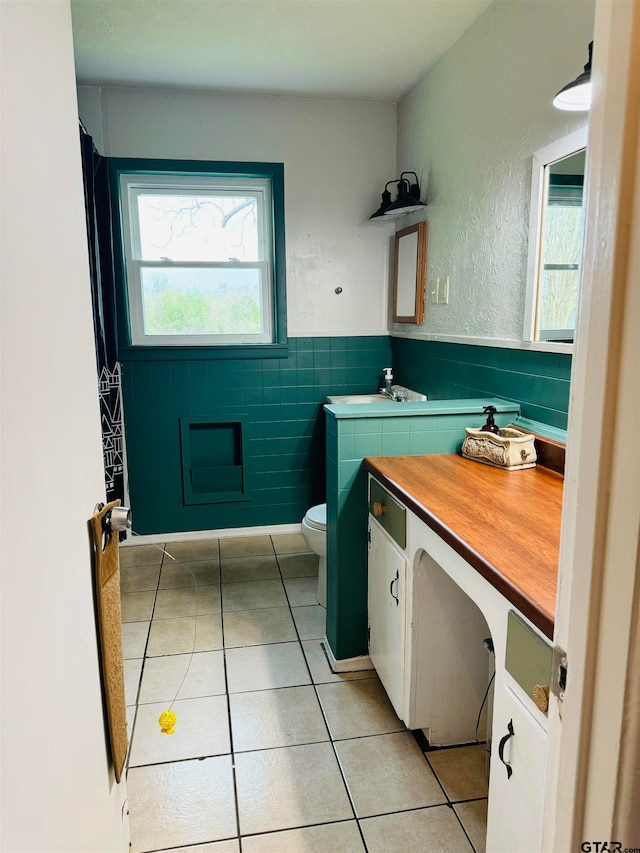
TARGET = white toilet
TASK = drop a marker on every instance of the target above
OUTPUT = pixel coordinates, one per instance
(314, 530)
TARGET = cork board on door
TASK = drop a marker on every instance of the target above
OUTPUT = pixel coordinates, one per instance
(107, 576)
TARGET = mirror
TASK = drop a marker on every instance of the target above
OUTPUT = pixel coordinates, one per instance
(555, 247)
(410, 274)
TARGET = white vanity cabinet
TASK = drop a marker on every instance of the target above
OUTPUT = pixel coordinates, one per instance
(519, 754)
(425, 633)
(387, 612)
(432, 616)
(518, 763)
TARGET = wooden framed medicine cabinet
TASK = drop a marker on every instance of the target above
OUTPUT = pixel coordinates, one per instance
(410, 274)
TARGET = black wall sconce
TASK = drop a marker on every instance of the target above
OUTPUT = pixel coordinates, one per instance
(576, 96)
(407, 200)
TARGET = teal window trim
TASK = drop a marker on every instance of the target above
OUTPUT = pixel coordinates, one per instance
(275, 171)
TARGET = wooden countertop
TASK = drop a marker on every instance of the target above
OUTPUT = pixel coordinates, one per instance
(506, 524)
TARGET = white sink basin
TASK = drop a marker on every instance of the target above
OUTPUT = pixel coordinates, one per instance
(360, 398)
(410, 396)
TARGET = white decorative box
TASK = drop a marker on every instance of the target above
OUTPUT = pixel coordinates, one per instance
(509, 449)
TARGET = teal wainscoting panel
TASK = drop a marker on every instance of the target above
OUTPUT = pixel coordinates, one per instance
(539, 381)
(349, 440)
(395, 444)
(280, 401)
(422, 443)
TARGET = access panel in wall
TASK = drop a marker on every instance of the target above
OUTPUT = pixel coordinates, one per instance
(213, 460)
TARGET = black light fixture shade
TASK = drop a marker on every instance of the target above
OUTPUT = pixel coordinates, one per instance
(384, 204)
(576, 96)
(407, 201)
(408, 197)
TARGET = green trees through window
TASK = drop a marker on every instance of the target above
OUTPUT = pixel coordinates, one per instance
(198, 309)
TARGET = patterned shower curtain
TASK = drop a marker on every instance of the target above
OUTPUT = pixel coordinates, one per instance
(101, 262)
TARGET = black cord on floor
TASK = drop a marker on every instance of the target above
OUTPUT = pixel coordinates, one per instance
(486, 693)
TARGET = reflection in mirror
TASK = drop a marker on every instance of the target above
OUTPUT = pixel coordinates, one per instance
(555, 249)
(561, 250)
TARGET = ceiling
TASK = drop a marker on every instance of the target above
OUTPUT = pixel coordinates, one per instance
(365, 49)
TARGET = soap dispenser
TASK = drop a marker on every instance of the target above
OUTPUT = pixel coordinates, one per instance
(490, 425)
(388, 379)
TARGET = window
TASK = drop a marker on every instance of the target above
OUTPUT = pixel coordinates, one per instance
(201, 256)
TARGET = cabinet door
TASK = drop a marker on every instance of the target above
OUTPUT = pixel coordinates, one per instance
(514, 823)
(387, 604)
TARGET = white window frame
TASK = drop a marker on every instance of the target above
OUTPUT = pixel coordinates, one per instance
(544, 157)
(133, 184)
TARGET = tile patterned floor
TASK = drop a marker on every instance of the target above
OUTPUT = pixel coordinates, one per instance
(272, 752)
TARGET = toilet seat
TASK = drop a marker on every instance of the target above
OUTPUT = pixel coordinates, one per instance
(316, 517)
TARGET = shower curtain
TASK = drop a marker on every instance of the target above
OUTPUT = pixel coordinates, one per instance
(101, 263)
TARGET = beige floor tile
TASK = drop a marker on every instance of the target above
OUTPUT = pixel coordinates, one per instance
(199, 549)
(415, 832)
(474, 819)
(216, 847)
(245, 546)
(310, 621)
(139, 578)
(187, 601)
(249, 568)
(202, 728)
(272, 718)
(266, 667)
(462, 771)
(358, 708)
(132, 670)
(134, 639)
(253, 595)
(327, 838)
(137, 606)
(298, 565)
(175, 636)
(182, 574)
(321, 671)
(301, 591)
(287, 543)
(258, 627)
(390, 763)
(290, 787)
(183, 803)
(140, 555)
(164, 675)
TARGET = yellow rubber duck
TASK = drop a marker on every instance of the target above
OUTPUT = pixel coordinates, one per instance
(167, 721)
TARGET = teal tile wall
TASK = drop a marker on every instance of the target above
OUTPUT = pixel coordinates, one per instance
(285, 440)
(539, 381)
(349, 440)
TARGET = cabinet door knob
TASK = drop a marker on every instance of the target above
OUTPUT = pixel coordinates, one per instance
(503, 743)
(540, 695)
(379, 509)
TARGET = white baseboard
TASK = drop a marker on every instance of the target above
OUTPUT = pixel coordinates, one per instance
(346, 664)
(157, 538)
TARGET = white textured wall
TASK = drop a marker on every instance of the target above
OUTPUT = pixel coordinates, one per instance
(58, 793)
(469, 129)
(337, 156)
